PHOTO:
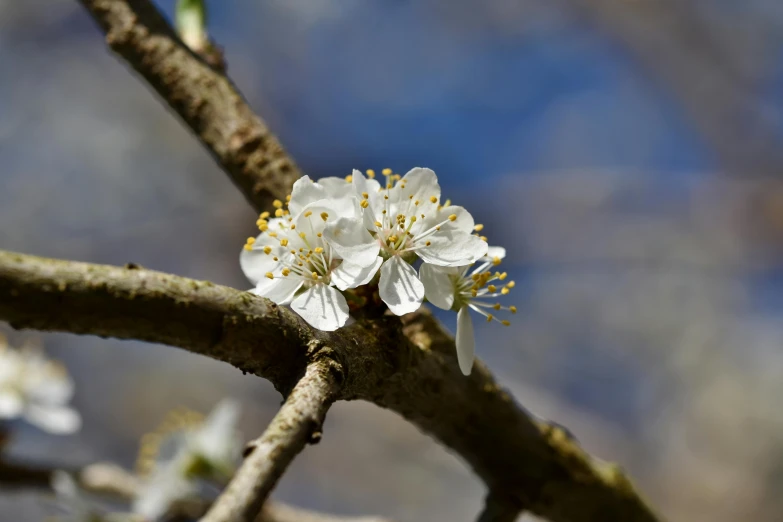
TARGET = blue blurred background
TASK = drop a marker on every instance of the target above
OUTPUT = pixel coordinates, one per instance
(629, 155)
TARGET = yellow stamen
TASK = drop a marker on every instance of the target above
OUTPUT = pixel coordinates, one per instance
(267, 249)
(496, 261)
(492, 288)
(308, 213)
(270, 275)
(319, 250)
(511, 284)
(386, 172)
(349, 178)
(478, 228)
(490, 317)
(506, 323)
(504, 291)
(286, 272)
(433, 199)
(378, 224)
(370, 173)
(277, 203)
(273, 234)
(365, 195)
(496, 306)
(302, 235)
(364, 203)
(324, 216)
(279, 212)
(315, 275)
(513, 309)
(453, 217)
(284, 242)
(503, 276)
(264, 215)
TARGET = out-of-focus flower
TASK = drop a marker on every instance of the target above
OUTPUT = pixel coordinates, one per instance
(186, 450)
(36, 389)
(458, 288)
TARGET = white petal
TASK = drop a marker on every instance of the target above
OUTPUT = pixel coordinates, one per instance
(335, 187)
(400, 287)
(438, 286)
(50, 387)
(279, 290)
(59, 420)
(331, 209)
(216, 440)
(466, 343)
(165, 486)
(350, 239)
(11, 404)
(372, 188)
(348, 275)
(463, 223)
(255, 263)
(304, 192)
(493, 252)
(453, 249)
(323, 307)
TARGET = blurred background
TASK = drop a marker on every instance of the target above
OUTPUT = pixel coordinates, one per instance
(629, 155)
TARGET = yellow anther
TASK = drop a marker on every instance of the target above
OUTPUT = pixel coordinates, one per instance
(474, 293)
(277, 203)
(496, 306)
(264, 215)
(413, 219)
(392, 239)
(490, 317)
(386, 172)
(286, 271)
(275, 258)
(475, 277)
(324, 216)
(447, 203)
(261, 222)
(453, 217)
(370, 173)
(248, 247)
(496, 260)
(437, 228)
(513, 309)
(263, 228)
(319, 250)
(409, 197)
(383, 212)
(428, 243)
(349, 178)
(288, 198)
(504, 291)
(506, 323)
(378, 224)
(251, 240)
(302, 235)
(365, 195)
(511, 284)
(319, 234)
(279, 212)
(308, 213)
(503, 276)
(284, 242)
(270, 275)
(389, 185)
(315, 275)
(397, 177)
(433, 199)
(273, 234)
(492, 288)
(267, 249)
(364, 203)
(483, 238)
(416, 202)
(478, 228)
(385, 196)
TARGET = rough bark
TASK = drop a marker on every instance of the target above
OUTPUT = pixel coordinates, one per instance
(410, 370)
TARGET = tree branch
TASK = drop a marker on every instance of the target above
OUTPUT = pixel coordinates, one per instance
(296, 424)
(206, 100)
(410, 370)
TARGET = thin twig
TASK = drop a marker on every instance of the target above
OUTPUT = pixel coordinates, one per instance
(535, 464)
(297, 423)
(205, 99)
(497, 509)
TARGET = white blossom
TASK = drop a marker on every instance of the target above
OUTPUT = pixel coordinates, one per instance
(306, 254)
(406, 220)
(70, 498)
(460, 289)
(187, 452)
(37, 390)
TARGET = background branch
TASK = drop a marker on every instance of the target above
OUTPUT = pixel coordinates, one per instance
(410, 370)
(296, 424)
(206, 100)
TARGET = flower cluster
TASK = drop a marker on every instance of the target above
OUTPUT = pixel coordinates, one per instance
(186, 451)
(337, 234)
(36, 389)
